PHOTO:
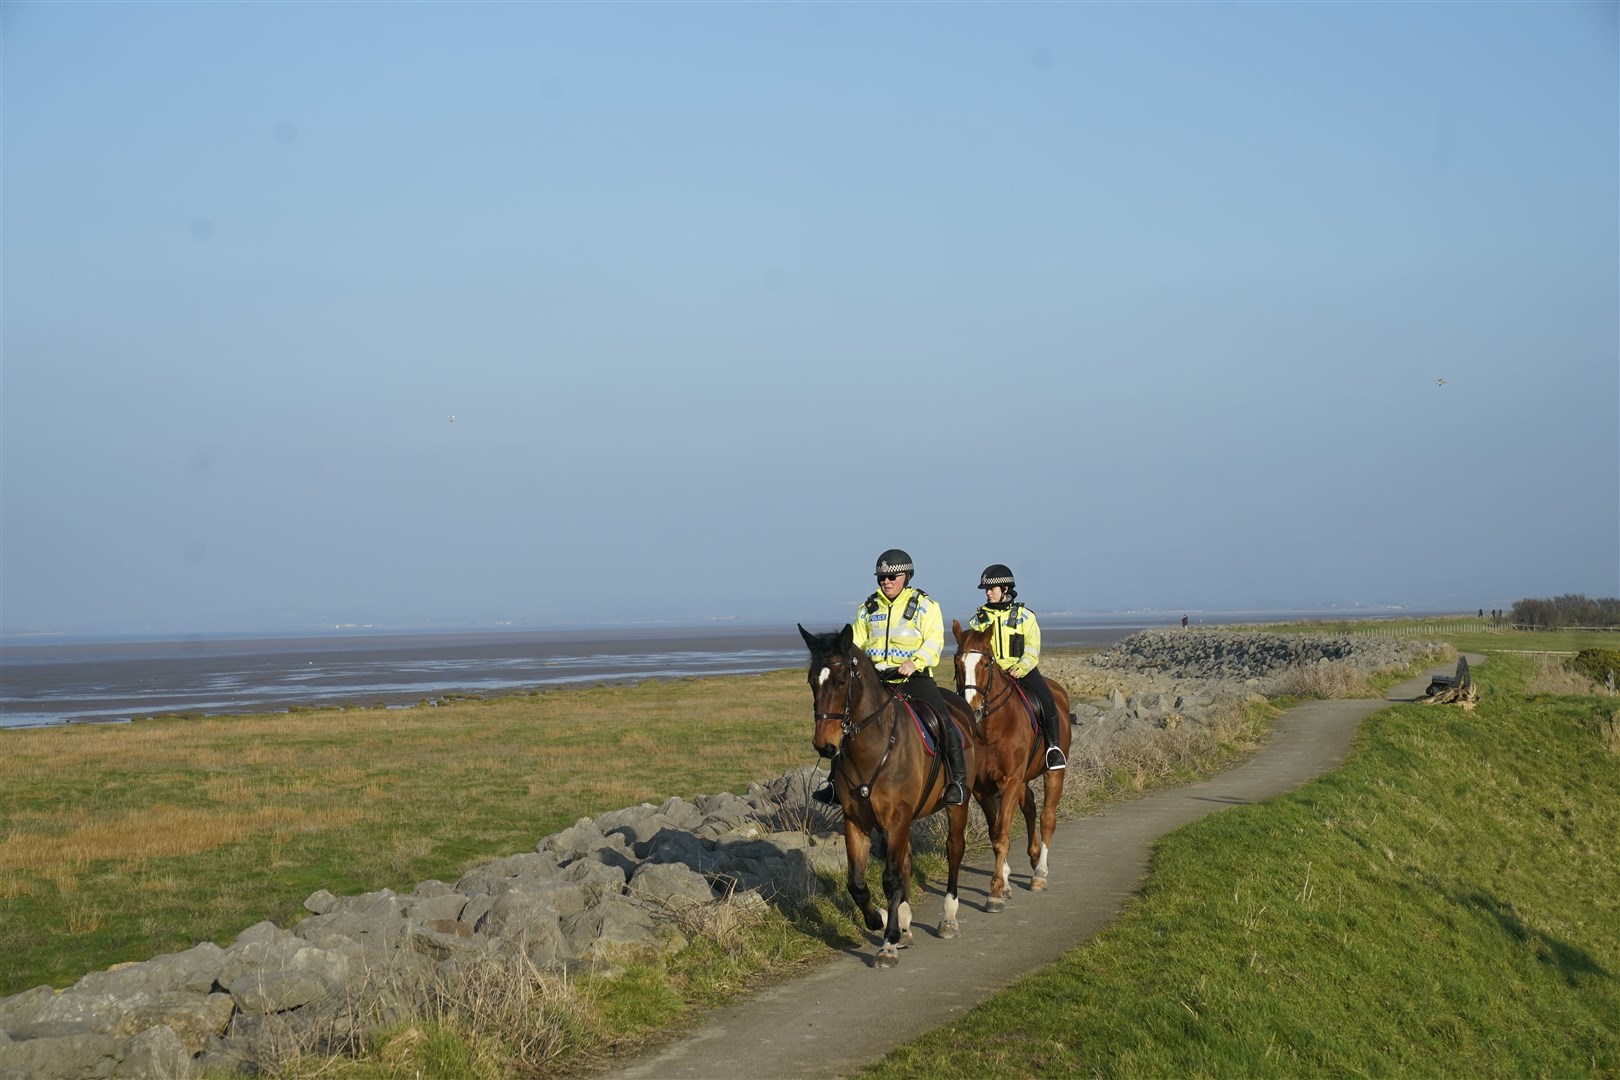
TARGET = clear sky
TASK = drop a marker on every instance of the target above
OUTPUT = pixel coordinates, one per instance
(1152, 302)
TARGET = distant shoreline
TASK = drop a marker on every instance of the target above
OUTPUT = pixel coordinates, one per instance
(48, 683)
(1140, 617)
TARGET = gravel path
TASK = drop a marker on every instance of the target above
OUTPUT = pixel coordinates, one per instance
(826, 1024)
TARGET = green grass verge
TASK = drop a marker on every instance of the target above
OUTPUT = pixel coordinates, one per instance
(1445, 904)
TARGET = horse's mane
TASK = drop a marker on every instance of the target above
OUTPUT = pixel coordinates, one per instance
(970, 634)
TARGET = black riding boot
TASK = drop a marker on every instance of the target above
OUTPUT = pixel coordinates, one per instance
(956, 787)
(1054, 753)
(1035, 684)
(826, 793)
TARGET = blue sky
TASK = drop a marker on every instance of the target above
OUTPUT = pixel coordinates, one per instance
(1150, 301)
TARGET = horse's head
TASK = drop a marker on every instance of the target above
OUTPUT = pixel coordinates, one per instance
(975, 664)
(834, 684)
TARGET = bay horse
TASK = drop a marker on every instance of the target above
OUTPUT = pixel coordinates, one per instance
(885, 779)
(1012, 756)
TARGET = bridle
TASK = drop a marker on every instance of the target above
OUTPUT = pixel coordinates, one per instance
(849, 728)
(988, 704)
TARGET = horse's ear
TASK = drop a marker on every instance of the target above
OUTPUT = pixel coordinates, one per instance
(956, 628)
(809, 639)
(846, 638)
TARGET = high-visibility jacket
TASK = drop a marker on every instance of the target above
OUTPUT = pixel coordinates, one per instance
(1015, 637)
(909, 627)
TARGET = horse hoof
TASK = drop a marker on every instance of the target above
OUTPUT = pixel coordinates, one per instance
(996, 903)
(905, 938)
(887, 957)
(1037, 884)
(948, 929)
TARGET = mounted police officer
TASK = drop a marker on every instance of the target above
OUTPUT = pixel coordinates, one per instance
(900, 627)
(1016, 644)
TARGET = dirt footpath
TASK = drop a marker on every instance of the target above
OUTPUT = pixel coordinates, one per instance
(826, 1024)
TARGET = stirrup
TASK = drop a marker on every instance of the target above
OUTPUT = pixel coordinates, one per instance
(955, 793)
(1055, 759)
(826, 793)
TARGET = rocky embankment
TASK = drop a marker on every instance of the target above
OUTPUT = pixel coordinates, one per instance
(618, 887)
(1158, 679)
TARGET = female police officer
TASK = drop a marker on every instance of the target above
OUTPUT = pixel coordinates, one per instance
(1016, 643)
(902, 630)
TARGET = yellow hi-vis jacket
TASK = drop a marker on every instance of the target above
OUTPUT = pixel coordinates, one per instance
(909, 627)
(1015, 636)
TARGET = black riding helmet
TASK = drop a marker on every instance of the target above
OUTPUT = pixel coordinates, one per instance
(895, 561)
(996, 574)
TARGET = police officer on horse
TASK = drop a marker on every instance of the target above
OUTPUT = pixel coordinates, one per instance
(901, 629)
(1016, 644)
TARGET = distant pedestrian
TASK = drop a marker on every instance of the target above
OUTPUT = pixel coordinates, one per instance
(1184, 622)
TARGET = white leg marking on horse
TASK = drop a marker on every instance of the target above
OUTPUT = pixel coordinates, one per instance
(1006, 872)
(826, 673)
(883, 917)
(1040, 867)
(905, 915)
(950, 909)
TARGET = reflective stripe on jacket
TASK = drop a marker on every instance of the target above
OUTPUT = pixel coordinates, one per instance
(1005, 623)
(891, 639)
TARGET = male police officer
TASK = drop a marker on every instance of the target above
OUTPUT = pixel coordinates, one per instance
(900, 627)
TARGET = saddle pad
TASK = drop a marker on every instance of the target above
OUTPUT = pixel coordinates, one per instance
(929, 742)
(1030, 708)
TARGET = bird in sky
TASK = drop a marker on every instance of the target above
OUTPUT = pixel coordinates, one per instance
(453, 416)
(1437, 382)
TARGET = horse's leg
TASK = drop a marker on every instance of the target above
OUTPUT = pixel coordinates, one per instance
(856, 846)
(1049, 805)
(1036, 849)
(1050, 797)
(955, 845)
(1000, 842)
(896, 885)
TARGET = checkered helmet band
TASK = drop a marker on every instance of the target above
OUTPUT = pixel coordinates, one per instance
(996, 574)
(894, 561)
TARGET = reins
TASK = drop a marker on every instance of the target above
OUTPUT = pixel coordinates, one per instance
(851, 728)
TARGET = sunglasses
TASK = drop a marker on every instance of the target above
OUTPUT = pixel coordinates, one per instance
(890, 577)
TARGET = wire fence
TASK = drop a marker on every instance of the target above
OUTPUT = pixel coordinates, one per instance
(1426, 629)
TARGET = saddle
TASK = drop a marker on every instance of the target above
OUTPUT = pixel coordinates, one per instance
(1033, 708)
(928, 724)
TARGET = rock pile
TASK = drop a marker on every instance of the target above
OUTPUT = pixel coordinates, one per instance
(1155, 680)
(619, 887)
(1250, 656)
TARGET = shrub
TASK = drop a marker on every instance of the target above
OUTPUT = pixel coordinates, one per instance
(1597, 664)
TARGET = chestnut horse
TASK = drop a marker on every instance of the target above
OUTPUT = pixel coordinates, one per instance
(885, 778)
(1012, 756)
